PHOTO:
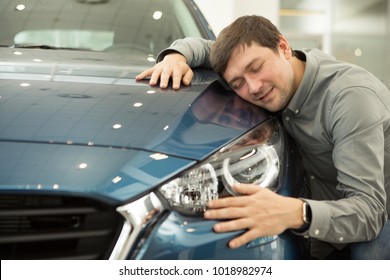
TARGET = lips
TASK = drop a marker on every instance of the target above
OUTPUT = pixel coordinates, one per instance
(266, 94)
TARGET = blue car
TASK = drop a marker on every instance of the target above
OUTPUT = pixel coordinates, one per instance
(94, 165)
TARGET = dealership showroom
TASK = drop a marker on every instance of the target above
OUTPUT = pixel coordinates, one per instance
(163, 132)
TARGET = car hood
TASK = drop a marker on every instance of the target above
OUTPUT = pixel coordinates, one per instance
(74, 121)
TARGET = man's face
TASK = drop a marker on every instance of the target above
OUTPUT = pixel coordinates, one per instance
(262, 76)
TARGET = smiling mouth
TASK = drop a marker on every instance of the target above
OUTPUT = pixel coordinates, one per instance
(264, 96)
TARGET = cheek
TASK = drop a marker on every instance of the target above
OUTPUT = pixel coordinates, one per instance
(243, 93)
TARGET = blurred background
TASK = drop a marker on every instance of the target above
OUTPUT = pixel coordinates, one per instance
(357, 31)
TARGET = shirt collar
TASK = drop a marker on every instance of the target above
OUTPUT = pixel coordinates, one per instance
(307, 82)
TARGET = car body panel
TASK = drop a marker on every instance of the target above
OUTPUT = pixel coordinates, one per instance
(181, 237)
(63, 114)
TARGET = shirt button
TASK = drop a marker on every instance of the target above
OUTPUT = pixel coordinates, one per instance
(287, 118)
(341, 239)
(317, 232)
(297, 111)
(312, 177)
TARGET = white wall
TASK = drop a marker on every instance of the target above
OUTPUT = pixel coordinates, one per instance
(220, 13)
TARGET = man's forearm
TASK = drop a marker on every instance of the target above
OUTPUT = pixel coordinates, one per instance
(195, 50)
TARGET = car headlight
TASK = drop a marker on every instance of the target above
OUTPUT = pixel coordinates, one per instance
(254, 158)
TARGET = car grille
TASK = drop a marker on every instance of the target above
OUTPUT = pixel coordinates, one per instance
(56, 227)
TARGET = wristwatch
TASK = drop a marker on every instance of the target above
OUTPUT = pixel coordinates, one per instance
(306, 213)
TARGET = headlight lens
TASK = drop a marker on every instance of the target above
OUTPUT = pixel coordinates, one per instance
(253, 158)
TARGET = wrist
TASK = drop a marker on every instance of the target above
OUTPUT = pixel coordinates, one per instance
(306, 213)
(306, 217)
(175, 55)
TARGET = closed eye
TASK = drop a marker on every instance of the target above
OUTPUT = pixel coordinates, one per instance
(237, 84)
(257, 69)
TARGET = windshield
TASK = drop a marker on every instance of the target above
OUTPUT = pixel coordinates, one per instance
(139, 26)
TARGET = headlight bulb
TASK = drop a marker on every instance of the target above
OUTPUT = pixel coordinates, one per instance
(192, 191)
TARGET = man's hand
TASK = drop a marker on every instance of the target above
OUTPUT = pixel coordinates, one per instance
(259, 211)
(174, 65)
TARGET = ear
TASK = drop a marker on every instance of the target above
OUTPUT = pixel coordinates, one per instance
(284, 47)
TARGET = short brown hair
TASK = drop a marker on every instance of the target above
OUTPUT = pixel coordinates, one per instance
(243, 31)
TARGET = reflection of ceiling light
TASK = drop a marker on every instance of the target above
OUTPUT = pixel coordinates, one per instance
(117, 126)
(18, 53)
(56, 186)
(117, 179)
(138, 104)
(151, 92)
(158, 156)
(24, 84)
(20, 7)
(157, 15)
(83, 165)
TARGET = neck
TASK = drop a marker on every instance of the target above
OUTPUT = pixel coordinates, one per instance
(299, 69)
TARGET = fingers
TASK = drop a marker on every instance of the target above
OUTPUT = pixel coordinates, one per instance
(164, 74)
(246, 189)
(252, 231)
(236, 201)
(188, 76)
(144, 74)
(222, 212)
(173, 66)
(244, 238)
(242, 213)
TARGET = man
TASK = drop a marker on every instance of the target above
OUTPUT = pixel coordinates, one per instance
(337, 113)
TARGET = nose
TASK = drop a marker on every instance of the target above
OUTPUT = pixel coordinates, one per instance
(254, 86)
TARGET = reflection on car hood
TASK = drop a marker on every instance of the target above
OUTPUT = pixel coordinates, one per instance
(78, 121)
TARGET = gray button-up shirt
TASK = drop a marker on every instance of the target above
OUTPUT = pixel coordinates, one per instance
(340, 120)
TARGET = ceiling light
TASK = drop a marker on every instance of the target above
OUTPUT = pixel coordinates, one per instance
(299, 13)
(157, 15)
(20, 7)
(92, 1)
(358, 52)
(151, 58)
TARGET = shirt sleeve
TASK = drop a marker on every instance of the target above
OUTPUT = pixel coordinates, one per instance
(195, 50)
(356, 121)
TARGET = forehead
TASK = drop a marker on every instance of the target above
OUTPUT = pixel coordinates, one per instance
(243, 56)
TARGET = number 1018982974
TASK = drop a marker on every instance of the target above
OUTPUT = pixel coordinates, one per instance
(242, 270)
